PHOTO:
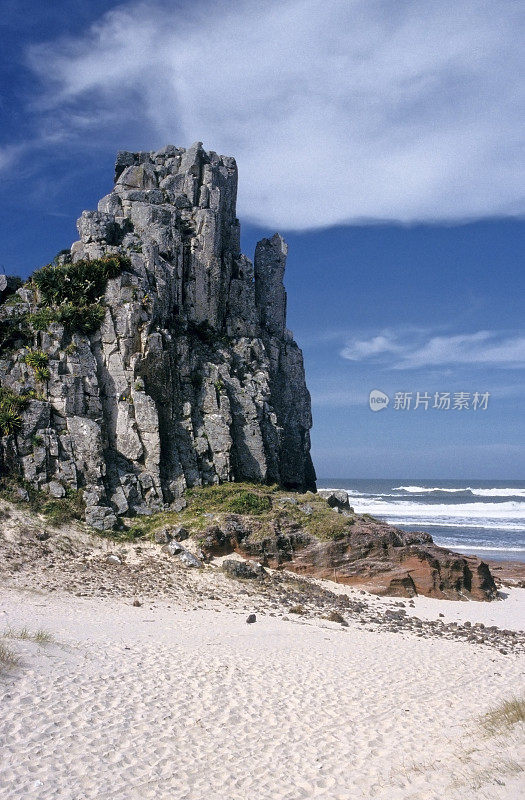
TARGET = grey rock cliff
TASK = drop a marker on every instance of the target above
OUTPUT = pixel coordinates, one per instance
(192, 377)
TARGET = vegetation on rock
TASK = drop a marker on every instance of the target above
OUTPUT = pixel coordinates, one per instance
(60, 511)
(14, 333)
(190, 331)
(11, 408)
(74, 292)
(38, 361)
(266, 506)
(57, 511)
(80, 283)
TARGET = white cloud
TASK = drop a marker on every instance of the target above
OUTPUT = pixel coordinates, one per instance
(411, 351)
(359, 349)
(351, 110)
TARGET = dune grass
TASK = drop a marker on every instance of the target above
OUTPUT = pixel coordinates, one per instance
(40, 636)
(503, 717)
(8, 657)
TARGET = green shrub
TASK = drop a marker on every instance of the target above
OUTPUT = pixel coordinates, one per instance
(81, 283)
(75, 292)
(42, 374)
(42, 318)
(31, 394)
(38, 361)
(10, 421)
(13, 300)
(75, 318)
(82, 318)
(11, 408)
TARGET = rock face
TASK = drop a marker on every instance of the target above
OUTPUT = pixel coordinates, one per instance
(374, 555)
(192, 377)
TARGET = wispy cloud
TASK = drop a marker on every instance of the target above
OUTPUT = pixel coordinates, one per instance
(352, 110)
(402, 350)
(9, 155)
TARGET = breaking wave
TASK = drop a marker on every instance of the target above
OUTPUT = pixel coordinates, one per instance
(476, 492)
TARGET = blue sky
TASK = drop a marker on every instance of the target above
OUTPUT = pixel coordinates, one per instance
(384, 140)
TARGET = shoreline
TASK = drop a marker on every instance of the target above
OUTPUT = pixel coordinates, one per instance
(453, 502)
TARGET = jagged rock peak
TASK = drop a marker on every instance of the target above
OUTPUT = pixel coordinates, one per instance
(187, 374)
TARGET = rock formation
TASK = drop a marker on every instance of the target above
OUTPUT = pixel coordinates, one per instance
(370, 554)
(188, 377)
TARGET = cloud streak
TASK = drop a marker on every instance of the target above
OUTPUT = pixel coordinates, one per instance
(362, 109)
(401, 351)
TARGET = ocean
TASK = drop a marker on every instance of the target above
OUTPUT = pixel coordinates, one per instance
(485, 518)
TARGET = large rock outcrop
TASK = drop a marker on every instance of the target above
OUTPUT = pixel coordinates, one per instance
(192, 376)
(370, 554)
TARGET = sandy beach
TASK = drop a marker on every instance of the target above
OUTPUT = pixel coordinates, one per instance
(262, 369)
(180, 698)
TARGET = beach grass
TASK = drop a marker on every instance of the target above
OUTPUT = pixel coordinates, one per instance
(40, 636)
(504, 716)
(8, 657)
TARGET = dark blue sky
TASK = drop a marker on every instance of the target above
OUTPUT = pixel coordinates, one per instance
(430, 305)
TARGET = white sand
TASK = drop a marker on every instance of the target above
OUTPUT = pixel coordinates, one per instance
(158, 702)
(507, 612)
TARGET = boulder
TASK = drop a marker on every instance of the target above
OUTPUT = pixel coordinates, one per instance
(56, 489)
(243, 569)
(336, 498)
(188, 559)
(162, 536)
(8, 285)
(178, 533)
